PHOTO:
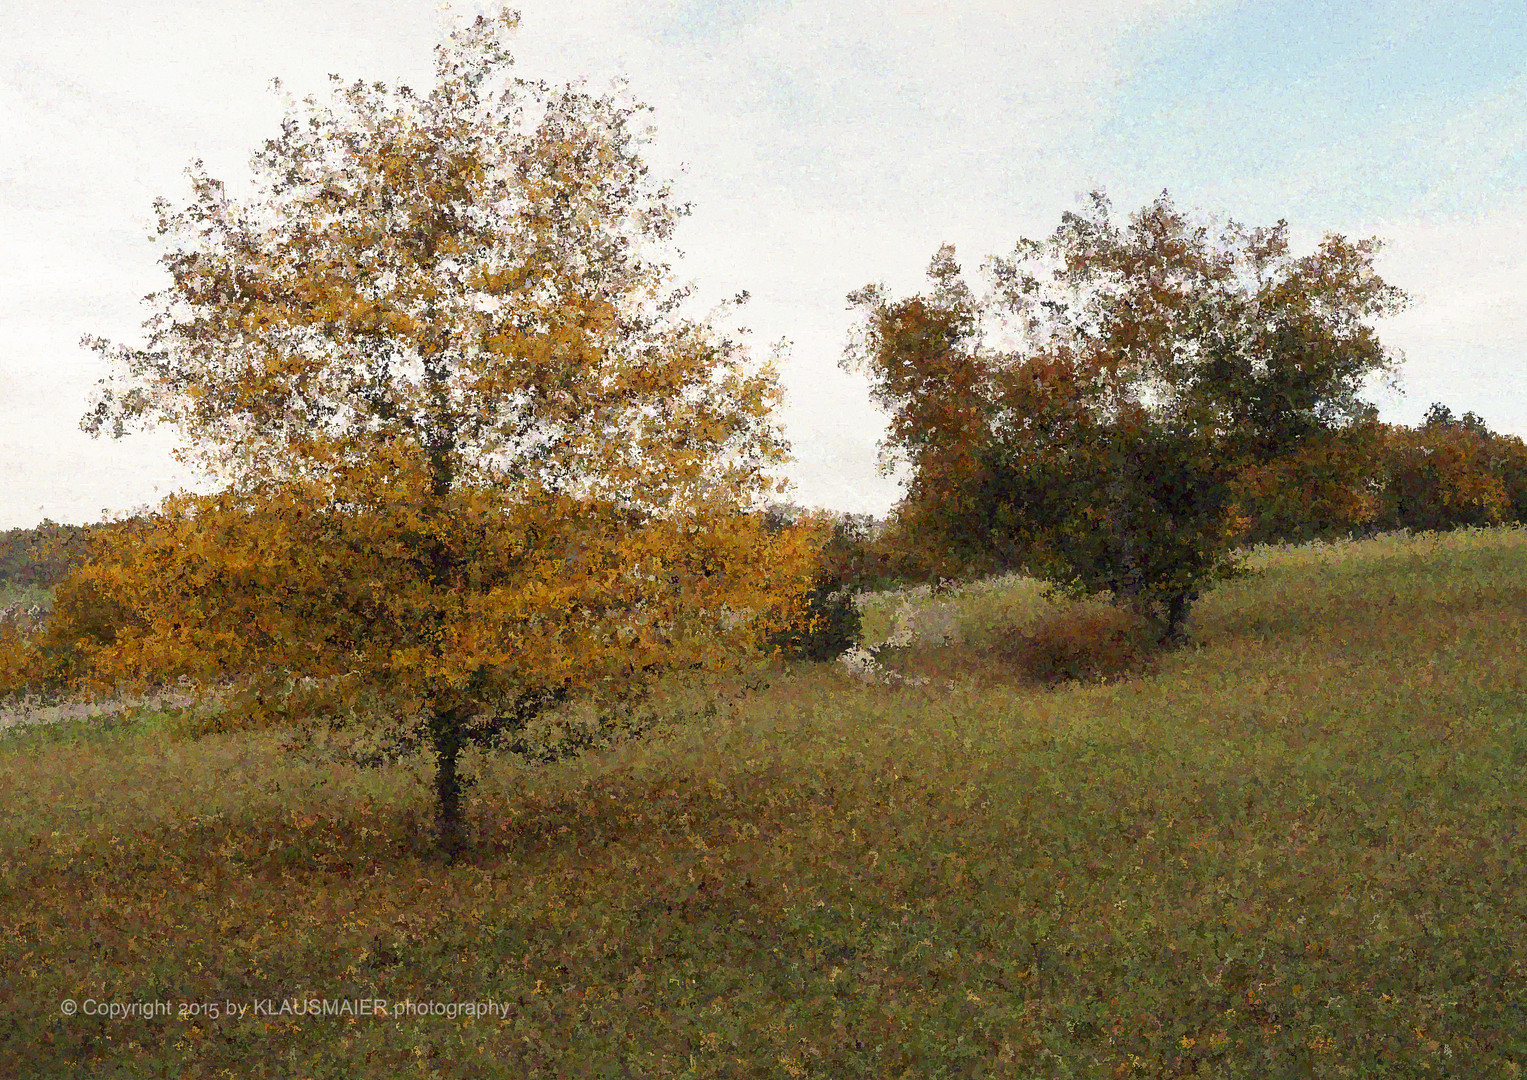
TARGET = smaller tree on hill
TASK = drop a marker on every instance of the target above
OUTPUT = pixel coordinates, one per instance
(1088, 419)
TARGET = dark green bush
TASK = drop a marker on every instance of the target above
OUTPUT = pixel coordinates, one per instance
(832, 622)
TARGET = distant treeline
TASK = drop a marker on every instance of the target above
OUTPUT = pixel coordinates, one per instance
(42, 556)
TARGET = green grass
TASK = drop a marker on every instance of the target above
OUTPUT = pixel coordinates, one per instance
(1296, 849)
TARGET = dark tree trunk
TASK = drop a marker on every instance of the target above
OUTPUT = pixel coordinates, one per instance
(446, 716)
(1177, 609)
(445, 727)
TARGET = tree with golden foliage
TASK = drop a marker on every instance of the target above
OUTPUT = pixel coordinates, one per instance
(469, 454)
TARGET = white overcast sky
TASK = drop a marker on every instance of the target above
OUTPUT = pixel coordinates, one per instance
(824, 144)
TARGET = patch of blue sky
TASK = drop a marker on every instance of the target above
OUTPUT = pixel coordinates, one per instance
(701, 20)
(1326, 110)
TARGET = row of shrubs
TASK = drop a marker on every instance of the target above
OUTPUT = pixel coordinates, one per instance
(1446, 473)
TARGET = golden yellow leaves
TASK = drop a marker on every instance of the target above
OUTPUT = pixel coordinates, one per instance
(473, 456)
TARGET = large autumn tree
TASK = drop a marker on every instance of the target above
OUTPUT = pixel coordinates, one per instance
(469, 454)
(1090, 418)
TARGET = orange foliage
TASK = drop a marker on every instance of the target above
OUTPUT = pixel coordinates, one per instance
(1441, 477)
(1325, 486)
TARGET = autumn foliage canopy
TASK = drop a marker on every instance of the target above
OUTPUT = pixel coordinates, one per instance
(471, 456)
(1091, 419)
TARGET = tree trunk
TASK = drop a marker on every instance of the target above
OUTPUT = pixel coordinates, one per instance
(446, 715)
(445, 727)
(1177, 609)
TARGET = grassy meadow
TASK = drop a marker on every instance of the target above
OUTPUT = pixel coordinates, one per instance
(1294, 848)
